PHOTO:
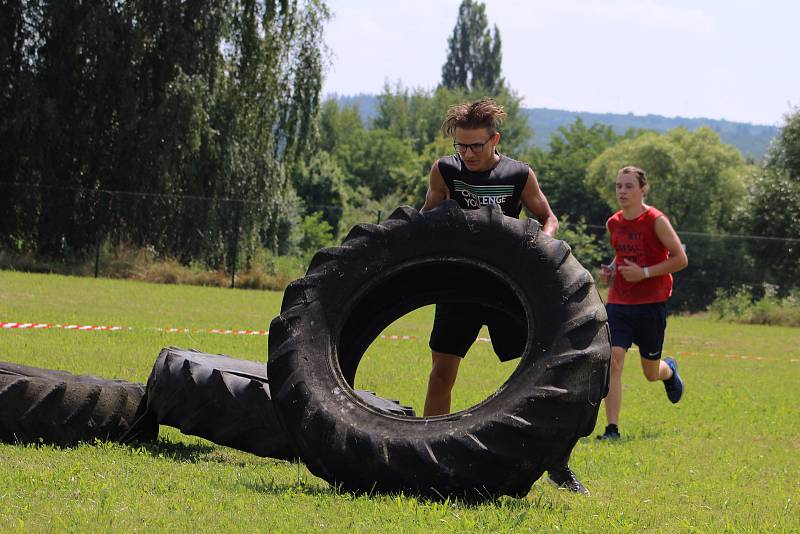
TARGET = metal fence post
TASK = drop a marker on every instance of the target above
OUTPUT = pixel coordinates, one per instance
(235, 248)
(98, 231)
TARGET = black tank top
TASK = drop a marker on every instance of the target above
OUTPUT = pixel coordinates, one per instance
(501, 185)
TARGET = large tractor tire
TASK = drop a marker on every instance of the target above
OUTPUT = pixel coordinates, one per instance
(56, 407)
(225, 400)
(381, 272)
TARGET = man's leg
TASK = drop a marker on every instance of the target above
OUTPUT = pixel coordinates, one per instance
(613, 400)
(440, 383)
(563, 477)
(508, 339)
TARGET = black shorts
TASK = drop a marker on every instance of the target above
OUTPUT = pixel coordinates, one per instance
(457, 325)
(643, 324)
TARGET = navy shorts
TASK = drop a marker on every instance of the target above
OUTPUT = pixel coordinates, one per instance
(457, 325)
(643, 324)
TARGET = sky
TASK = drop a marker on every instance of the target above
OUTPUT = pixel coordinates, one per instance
(737, 59)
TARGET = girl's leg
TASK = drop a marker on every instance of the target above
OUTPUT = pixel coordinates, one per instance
(655, 370)
(614, 398)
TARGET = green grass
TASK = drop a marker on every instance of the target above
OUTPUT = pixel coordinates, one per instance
(727, 458)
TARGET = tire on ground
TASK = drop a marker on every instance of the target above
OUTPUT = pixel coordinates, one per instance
(381, 272)
(59, 408)
(224, 400)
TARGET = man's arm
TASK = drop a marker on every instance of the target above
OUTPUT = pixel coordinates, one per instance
(437, 189)
(535, 202)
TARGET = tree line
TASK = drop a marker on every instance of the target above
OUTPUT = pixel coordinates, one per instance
(176, 103)
(168, 100)
(708, 189)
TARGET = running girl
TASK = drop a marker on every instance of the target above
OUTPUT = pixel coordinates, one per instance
(648, 251)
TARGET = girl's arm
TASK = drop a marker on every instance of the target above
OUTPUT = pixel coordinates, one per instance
(607, 271)
(676, 261)
(677, 255)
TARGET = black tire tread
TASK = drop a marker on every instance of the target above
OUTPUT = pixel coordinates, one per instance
(225, 400)
(219, 398)
(500, 447)
(56, 407)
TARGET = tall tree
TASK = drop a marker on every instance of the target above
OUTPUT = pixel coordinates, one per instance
(19, 39)
(167, 101)
(562, 171)
(694, 177)
(772, 209)
(474, 55)
(784, 154)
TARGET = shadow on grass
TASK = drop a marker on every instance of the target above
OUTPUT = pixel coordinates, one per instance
(282, 488)
(180, 452)
(537, 500)
(643, 434)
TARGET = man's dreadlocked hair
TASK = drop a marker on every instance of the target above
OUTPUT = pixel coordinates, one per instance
(484, 113)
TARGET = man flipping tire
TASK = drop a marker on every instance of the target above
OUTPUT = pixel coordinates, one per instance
(478, 175)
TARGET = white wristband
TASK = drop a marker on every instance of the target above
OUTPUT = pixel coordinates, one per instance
(646, 272)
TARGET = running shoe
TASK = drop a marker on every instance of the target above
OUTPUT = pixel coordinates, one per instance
(674, 385)
(611, 433)
(564, 478)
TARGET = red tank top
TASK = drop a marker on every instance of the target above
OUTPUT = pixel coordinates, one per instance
(636, 240)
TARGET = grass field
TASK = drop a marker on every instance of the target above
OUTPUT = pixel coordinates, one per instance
(725, 459)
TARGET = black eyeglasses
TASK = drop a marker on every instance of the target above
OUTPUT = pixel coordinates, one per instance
(476, 148)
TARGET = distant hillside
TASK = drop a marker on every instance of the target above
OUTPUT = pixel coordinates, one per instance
(751, 139)
(367, 104)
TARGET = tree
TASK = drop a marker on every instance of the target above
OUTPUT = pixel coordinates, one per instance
(380, 162)
(274, 76)
(315, 233)
(338, 126)
(165, 101)
(474, 54)
(562, 171)
(375, 162)
(321, 184)
(417, 116)
(18, 98)
(772, 209)
(694, 177)
(586, 246)
(784, 154)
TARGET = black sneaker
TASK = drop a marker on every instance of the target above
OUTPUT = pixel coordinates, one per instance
(564, 478)
(611, 432)
(674, 385)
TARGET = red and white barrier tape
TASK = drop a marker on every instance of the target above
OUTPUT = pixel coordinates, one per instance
(42, 326)
(171, 330)
(35, 326)
(103, 328)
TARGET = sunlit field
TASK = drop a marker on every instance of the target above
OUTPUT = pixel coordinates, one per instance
(726, 458)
